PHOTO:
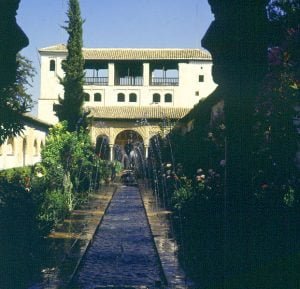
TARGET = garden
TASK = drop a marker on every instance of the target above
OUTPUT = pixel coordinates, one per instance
(35, 199)
(190, 177)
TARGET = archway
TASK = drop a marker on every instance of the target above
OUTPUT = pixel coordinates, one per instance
(128, 145)
(24, 148)
(102, 147)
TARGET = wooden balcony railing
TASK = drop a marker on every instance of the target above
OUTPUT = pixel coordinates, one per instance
(95, 80)
(165, 81)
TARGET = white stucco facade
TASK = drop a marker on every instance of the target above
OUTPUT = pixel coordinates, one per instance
(182, 74)
(25, 149)
(124, 86)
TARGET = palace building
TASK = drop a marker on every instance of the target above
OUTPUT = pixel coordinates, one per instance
(130, 92)
(24, 149)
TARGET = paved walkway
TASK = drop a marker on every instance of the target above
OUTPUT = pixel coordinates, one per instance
(67, 244)
(122, 252)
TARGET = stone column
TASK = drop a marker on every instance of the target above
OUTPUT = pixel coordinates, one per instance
(111, 152)
(146, 151)
(237, 42)
(146, 74)
(111, 74)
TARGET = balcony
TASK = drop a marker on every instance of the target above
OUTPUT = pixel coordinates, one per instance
(165, 81)
(95, 80)
(130, 81)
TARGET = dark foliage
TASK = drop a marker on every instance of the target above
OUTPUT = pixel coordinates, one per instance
(15, 100)
(271, 211)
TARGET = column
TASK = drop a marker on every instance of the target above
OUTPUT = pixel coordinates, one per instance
(111, 74)
(111, 152)
(146, 151)
(146, 74)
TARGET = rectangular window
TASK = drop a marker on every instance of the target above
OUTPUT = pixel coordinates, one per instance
(201, 78)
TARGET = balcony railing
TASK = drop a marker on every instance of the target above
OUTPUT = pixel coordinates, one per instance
(130, 81)
(95, 80)
(165, 81)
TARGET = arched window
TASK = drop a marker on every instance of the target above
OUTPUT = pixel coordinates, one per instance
(132, 97)
(97, 97)
(156, 97)
(121, 97)
(35, 148)
(52, 65)
(86, 97)
(168, 97)
(10, 149)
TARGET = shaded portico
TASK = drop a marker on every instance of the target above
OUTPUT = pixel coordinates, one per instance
(123, 125)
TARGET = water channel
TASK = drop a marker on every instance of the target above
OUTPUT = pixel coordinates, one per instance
(122, 252)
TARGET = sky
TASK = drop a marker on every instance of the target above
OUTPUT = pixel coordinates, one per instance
(114, 24)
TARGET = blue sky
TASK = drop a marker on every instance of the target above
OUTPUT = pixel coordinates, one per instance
(115, 23)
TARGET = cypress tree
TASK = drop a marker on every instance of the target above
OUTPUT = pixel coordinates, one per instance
(70, 107)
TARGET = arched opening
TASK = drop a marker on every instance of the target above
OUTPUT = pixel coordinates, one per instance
(86, 97)
(10, 147)
(168, 97)
(35, 148)
(97, 97)
(24, 148)
(102, 147)
(121, 97)
(156, 97)
(52, 65)
(129, 149)
(132, 97)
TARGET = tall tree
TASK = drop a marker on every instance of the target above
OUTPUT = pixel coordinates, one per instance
(70, 107)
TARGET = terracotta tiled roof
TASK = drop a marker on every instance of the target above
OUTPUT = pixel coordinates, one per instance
(55, 48)
(131, 112)
(136, 53)
(31, 118)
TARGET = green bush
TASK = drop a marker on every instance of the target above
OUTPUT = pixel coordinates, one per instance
(183, 194)
(67, 160)
(61, 182)
(16, 175)
(53, 208)
(14, 183)
(118, 166)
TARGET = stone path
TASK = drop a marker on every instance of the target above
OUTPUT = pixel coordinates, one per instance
(161, 227)
(122, 252)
